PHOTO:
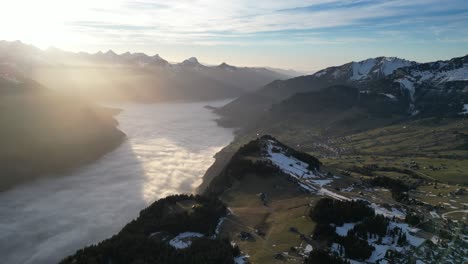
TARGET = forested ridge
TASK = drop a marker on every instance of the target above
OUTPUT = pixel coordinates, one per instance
(145, 239)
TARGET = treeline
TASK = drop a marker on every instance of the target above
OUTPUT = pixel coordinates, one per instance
(202, 218)
(376, 225)
(135, 243)
(398, 188)
(329, 210)
(329, 213)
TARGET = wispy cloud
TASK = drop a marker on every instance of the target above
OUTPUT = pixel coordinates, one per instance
(232, 23)
(180, 20)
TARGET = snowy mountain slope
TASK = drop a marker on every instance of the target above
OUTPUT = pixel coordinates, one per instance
(439, 87)
(435, 76)
(369, 69)
(420, 89)
(248, 108)
(437, 72)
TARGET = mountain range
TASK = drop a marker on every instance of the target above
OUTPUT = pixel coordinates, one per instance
(132, 76)
(419, 88)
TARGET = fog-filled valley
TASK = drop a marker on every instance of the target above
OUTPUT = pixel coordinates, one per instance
(167, 150)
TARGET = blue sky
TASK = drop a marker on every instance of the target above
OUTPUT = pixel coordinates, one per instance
(303, 35)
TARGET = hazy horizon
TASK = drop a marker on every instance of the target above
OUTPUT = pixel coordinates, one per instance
(302, 35)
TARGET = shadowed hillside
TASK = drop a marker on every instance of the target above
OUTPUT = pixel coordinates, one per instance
(43, 132)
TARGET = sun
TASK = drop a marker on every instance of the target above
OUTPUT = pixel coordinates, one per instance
(48, 22)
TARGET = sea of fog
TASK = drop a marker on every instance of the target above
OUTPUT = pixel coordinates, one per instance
(169, 147)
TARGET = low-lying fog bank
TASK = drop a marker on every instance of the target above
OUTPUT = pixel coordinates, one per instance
(169, 148)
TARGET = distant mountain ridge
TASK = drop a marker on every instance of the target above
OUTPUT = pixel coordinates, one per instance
(425, 87)
(440, 75)
(369, 69)
(133, 76)
(434, 88)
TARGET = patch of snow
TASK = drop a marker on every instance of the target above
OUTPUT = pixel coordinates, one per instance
(378, 253)
(343, 230)
(387, 213)
(290, 165)
(321, 183)
(337, 73)
(441, 76)
(333, 195)
(308, 249)
(183, 240)
(335, 247)
(306, 187)
(434, 214)
(390, 64)
(409, 231)
(408, 85)
(423, 75)
(391, 96)
(460, 74)
(153, 234)
(320, 73)
(192, 60)
(361, 69)
(465, 110)
(218, 227)
(242, 259)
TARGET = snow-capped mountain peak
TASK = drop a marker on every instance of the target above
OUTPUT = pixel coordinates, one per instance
(369, 69)
(361, 70)
(377, 67)
(191, 62)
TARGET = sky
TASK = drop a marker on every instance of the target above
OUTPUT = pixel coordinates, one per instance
(302, 35)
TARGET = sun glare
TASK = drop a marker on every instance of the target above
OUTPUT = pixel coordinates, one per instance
(50, 22)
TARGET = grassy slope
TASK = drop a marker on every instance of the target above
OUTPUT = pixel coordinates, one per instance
(287, 207)
(437, 146)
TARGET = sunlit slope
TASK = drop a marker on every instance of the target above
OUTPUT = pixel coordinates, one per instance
(43, 132)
